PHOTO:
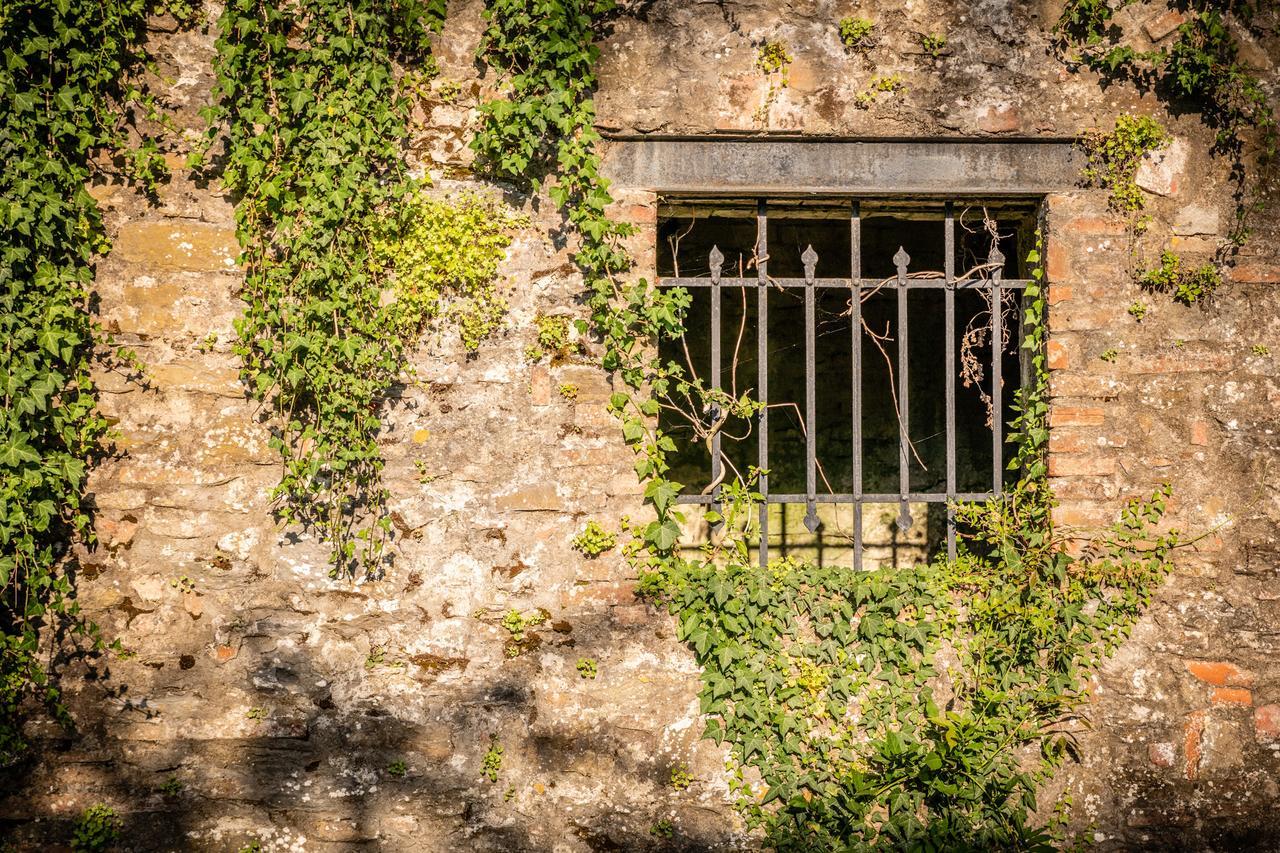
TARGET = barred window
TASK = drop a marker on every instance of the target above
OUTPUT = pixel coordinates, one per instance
(866, 327)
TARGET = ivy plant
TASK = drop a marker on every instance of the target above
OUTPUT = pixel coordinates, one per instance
(71, 84)
(329, 220)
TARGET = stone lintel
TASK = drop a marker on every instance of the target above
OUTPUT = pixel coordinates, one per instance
(809, 166)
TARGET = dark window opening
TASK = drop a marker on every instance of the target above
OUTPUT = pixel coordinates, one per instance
(879, 411)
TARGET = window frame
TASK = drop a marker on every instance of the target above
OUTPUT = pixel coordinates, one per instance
(994, 286)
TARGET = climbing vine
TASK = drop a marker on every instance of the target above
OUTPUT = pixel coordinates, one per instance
(70, 87)
(345, 258)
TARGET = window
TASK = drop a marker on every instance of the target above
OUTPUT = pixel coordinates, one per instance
(879, 409)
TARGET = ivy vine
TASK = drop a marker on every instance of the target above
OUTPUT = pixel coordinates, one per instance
(69, 82)
(345, 258)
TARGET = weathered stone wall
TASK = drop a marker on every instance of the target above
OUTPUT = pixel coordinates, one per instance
(278, 698)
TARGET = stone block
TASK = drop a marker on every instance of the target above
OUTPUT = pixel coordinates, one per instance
(1162, 171)
(1196, 219)
(177, 245)
(541, 497)
(1162, 754)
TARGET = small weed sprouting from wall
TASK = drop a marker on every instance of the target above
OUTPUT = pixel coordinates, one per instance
(880, 84)
(680, 778)
(517, 624)
(933, 43)
(491, 764)
(96, 830)
(857, 34)
(594, 540)
(1185, 286)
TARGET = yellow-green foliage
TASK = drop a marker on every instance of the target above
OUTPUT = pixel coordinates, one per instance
(1114, 158)
(554, 340)
(594, 540)
(857, 33)
(890, 83)
(773, 57)
(443, 260)
(1186, 286)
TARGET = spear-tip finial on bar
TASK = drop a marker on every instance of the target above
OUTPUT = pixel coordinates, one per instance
(811, 521)
(810, 261)
(996, 260)
(904, 517)
(900, 260)
(717, 262)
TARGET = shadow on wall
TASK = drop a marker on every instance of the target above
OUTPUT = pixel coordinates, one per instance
(298, 770)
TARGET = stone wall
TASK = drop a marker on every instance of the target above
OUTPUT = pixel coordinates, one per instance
(278, 698)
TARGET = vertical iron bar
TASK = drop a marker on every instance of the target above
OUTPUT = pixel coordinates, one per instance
(997, 380)
(901, 260)
(716, 259)
(762, 366)
(949, 295)
(810, 260)
(855, 313)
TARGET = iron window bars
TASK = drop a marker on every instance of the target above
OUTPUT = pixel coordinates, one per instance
(994, 287)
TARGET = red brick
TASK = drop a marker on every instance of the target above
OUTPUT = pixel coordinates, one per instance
(1256, 273)
(1058, 355)
(641, 214)
(1232, 696)
(1095, 226)
(1081, 466)
(1060, 416)
(1004, 119)
(1071, 442)
(1191, 742)
(1076, 516)
(1160, 26)
(1059, 293)
(1266, 722)
(1220, 673)
(1058, 263)
(1199, 433)
(540, 386)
